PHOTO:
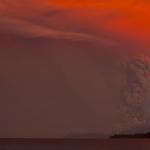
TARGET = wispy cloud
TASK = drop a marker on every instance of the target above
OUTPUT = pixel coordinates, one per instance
(26, 29)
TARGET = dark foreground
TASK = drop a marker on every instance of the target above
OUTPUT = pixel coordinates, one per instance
(64, 144)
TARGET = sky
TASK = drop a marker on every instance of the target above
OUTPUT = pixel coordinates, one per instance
(74, 66)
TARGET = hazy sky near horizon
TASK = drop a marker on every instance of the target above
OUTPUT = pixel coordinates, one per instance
(72, 66)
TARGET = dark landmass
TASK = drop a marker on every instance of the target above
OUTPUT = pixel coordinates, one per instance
(138, 135)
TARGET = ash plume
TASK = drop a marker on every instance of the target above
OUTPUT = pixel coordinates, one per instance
(134, 94)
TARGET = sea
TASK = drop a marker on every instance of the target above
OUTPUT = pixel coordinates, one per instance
(75, 144)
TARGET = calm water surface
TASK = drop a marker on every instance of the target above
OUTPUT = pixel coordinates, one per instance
(123, 144)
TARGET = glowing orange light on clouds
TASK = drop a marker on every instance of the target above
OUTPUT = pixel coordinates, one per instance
(86, 3)
(127, 18)
(134, 23)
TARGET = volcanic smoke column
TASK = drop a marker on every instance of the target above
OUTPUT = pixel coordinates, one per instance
(135, 93)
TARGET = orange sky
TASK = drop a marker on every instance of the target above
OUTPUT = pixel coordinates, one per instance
(128, 19)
